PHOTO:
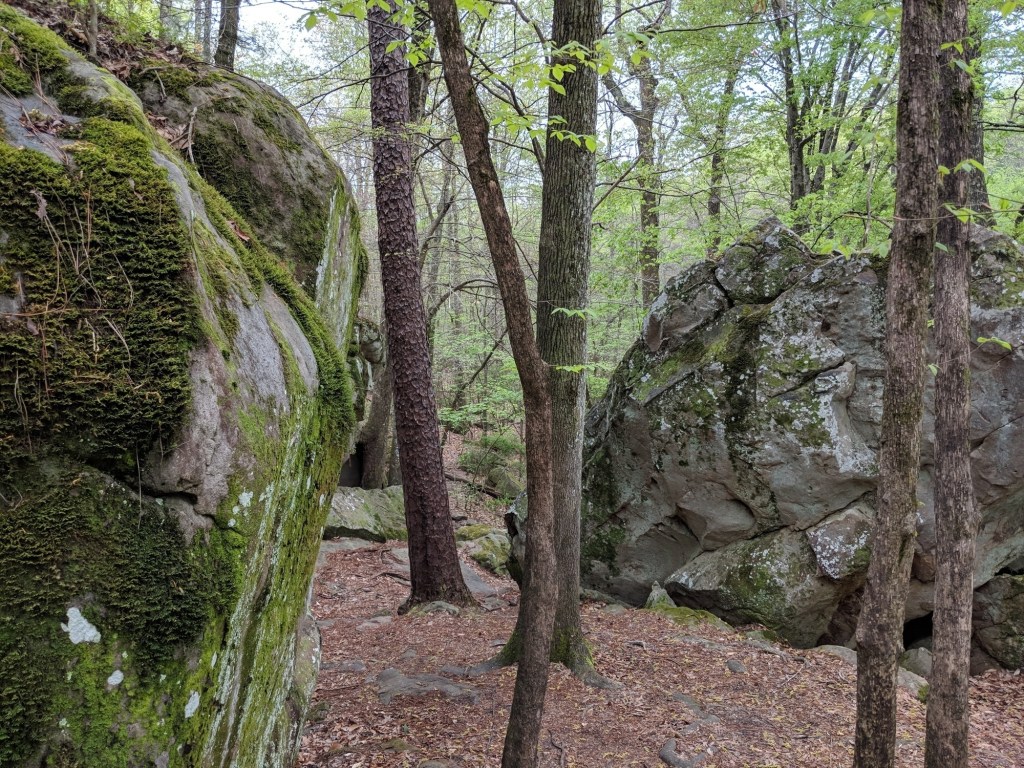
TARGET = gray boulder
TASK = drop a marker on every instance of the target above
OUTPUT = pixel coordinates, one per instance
(374, 515)
(999, 619)
(733, 457)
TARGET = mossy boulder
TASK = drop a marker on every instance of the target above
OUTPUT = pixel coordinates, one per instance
(741, 430)
(250, 143)
(374, 514)
(174, 412)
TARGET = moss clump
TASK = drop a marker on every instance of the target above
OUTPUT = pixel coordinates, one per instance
(101, 368)
(76, 537)
(690, 617)
(602, 546)
(7, 281)
(472, 532)
(173, 80)
(41, 52)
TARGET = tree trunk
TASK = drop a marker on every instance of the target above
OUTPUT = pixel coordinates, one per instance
(433, 559)
(718, 161)
(977, 181)
(167, 26)
(227, 35)
(538, 603)
(650, 184)
(570, 173)
(956, 522)
(207, 30)
(376, 432)
(642, 116)
(93, 31)
(879, 631)
(419, 75)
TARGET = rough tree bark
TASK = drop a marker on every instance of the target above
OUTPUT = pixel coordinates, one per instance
(433, 559)
(538, 603)
(956, 519)
(570, 173)
(879, 631)
(227, 34)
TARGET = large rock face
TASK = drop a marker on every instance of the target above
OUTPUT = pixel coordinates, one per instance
(734, 456)
(174, 412)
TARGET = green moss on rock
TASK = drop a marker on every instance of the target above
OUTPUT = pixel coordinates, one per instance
(102, 367)
(124, 564)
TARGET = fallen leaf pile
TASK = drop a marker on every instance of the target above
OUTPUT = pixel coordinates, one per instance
(720, 696)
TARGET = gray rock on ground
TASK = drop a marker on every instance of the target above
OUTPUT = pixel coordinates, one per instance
(733, 458)
(373, 515)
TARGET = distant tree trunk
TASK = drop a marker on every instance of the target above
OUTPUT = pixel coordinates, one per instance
(166, 10)
(879, 631)
(718, 139)
(538, 602)
(570, 173)
(376, 432)
(977, 181)
(93, 33)
(203, 19)
(433, 559)
(650, 183)
(419, 76)
(798, 178)
(956, 520)
(642, 116)
(227, 35)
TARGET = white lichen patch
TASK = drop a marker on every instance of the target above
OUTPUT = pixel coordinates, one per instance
(79, 629)
(245, 499)
(192, 705)
(116, 678)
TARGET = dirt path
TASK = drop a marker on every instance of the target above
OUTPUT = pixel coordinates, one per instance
(388, 695)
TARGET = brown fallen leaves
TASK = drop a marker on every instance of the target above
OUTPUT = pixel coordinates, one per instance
(790, 711)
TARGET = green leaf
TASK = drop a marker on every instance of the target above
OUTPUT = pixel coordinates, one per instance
(934, 369)
(1008, 7)
(1004, 344)
(591, 143)
(311, 20)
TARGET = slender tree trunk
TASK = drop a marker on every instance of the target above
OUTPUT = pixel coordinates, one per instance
(879, 631)
(93, 32)
(433, 559)
(650, 183)
(419, 76)
(227, 35)
(538, 603)
(207, 30)
(166, 9)
(377, 430)
(977, 181)
(570, 173)
(718, 160)
(956, 520)
(642, 116)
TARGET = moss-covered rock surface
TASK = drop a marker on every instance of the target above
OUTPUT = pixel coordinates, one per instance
(174, 410)
(734, 456)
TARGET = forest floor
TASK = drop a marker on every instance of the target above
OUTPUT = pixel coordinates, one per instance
(390, 693)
